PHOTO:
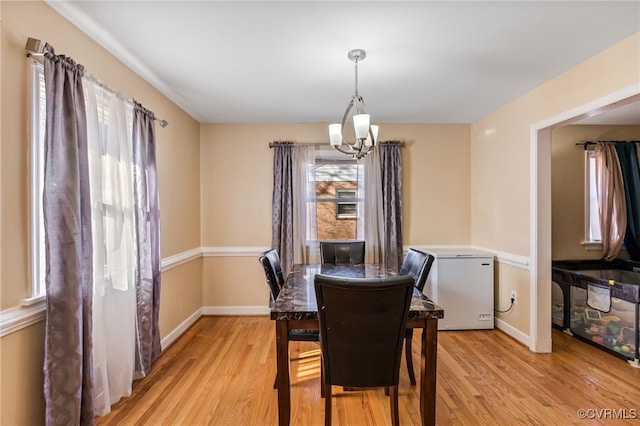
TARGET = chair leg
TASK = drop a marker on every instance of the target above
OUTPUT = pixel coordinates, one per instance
(393, 399)
(408, 337)
(327, 406)
(275, 382)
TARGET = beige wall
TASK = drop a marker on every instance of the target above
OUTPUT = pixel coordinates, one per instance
(464, 184)
(237, 164)
(500, 167)
(568, 185)
(179, 183)
(508, 278)
(22, 377)
(237, 176)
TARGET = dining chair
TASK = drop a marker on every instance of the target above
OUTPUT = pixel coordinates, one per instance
(362, 323)
(342, 252)
(270, 261)
(416, 264)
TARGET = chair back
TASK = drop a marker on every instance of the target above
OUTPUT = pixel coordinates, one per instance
(342, 252)
(417, 264)
(362, 327)
(270, 261)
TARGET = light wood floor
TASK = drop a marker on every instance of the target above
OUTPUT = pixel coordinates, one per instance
(221, 372)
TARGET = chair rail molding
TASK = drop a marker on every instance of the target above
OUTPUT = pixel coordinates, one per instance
(180, 258)
(19, 317)
(26, 314)
(512, 259)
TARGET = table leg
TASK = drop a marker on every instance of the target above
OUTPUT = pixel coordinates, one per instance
(282, 361)
(428, 372)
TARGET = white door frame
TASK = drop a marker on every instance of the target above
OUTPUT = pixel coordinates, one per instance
(540, 210)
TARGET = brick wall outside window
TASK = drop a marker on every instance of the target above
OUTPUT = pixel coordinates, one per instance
(329, 226)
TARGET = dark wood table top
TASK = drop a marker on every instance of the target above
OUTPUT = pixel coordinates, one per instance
(297, 299)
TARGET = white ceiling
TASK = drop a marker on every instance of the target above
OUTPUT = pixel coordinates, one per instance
(427, 61)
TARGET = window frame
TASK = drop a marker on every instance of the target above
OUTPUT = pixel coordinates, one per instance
(589, 242)
(342, 201)
(324, 157)
(37, 119)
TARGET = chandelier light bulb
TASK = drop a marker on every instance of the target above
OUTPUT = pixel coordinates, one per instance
(361, 125)
(335, 134)
(374, 133)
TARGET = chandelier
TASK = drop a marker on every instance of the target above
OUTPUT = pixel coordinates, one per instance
(365, 133)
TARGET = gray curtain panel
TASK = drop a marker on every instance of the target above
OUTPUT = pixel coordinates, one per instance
(628, 158)
(147, 236)
(68, 370)
(282, 204)
(391, 165)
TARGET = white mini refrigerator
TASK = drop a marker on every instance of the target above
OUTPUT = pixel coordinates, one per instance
(461, 283)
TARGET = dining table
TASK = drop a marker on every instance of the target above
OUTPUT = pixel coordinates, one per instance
(296, 308)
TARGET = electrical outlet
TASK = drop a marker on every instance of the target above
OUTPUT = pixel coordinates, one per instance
(513, 297)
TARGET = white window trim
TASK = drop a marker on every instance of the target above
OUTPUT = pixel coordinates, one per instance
(31, 309)
(592, 245)
(587, 243)
(37, 293)
(321, 158)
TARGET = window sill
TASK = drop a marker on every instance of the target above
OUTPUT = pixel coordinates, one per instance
(15, 319)
(29, 301)
(592, 245)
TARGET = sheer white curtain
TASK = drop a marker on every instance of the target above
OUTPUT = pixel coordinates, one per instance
(109, 127)
(304, 207)
(372, 220)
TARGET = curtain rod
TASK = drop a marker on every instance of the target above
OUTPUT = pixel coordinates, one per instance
(586, 144)
(274, 144)
(35, 51)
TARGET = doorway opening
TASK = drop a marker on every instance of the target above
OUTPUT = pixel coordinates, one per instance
(540, 214)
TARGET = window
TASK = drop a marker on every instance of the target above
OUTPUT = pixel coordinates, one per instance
(592, 231)
(338, 200)
(346, 206)
(37, 130)
(109, 202)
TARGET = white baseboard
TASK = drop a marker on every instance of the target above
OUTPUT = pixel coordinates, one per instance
(236, 310)
(513, 332)
(179, 331)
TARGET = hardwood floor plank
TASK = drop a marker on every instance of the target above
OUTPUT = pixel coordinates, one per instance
(221, 372)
